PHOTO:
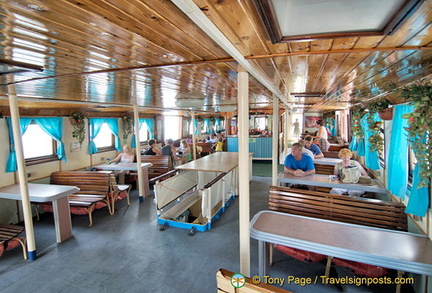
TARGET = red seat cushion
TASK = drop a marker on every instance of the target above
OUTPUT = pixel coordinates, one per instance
(302, 255)
(361, 269)
(1, 248)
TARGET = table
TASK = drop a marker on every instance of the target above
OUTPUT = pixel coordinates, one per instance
(129, 167)
(57, 194)
(216, 162)
(391, 249)
(327, 161)
(324, 181)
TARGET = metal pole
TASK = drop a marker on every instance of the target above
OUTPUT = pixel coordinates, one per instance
(25, 197)
(244, 192)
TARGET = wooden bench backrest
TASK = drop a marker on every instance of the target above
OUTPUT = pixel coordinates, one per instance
(331, 154)
(162, 163)
(89, 182)
(206, 147)
(354, 210)
(324, 169)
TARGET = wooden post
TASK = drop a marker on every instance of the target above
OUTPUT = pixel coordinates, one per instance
(25, 196)
(275, 135)
(244, 192)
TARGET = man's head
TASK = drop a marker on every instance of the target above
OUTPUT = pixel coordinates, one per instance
(308, 141)
(296, 150)
(169, 141)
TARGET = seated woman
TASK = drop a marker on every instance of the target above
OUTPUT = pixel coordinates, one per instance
(152, 150)
(346, 155)
(124, 157)
(184, 152)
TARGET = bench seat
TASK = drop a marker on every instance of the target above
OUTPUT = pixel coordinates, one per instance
(335, 207)
(97, 191)
(9, 238)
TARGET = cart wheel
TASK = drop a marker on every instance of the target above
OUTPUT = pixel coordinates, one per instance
(192, 231)
(163, 227)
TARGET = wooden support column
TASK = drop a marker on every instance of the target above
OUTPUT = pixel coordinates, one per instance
(141, 189)
(25, 196)
(244, 192)
(275, 139)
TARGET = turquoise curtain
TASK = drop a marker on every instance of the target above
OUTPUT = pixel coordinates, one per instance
(353, 144)
(217, 124)
(195, 121)
(150, 126)
(95, 125)
(371, 157)
(207, 124)
(11, 165)
(418, 202)
(53, 126)
(140, 123)
(361, 148)
(113, 125)
(398, 152)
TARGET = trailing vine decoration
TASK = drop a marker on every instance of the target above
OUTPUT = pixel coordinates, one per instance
(127, 126)
(376, 139)
(357, 113)
(78, 123)
(420, 127)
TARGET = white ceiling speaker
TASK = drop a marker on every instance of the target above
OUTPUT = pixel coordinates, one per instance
(189, 100)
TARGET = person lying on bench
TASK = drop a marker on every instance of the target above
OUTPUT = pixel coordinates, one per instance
(346, 155)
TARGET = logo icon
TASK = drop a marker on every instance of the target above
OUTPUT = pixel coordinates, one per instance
(238, 280)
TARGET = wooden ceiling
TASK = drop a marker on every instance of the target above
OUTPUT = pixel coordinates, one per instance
(114, 53)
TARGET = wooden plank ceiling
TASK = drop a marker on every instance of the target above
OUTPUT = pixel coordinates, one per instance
(113, 53)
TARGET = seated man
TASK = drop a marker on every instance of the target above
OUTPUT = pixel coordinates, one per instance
(297, 163)
(309, 145)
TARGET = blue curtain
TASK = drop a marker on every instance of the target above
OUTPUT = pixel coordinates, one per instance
(113, 125)
(398, 152)
(195, 122)
(353, 144)
(140, 123)
(217, 124)
(207, 124)
(53, 126)
(418, 202)
(11, 165)
(150, 126)
(371, 157)
(95, 125)
(361, 148)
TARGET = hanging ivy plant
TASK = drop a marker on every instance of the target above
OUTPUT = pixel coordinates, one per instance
(376, 140)
(357, 113)
(78, 123)
(420, 127)
(127, 126)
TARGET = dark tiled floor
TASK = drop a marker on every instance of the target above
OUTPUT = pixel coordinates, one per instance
(126, 252)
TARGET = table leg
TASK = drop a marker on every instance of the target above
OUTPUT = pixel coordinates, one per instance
(262, 258)
(62, 219)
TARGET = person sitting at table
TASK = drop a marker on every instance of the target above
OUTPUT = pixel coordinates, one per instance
(124, 157)
(169, 148)
(309, 145)
(297, 163)
(304, 151)
(152, 150)
(346, 155)
(184, 152)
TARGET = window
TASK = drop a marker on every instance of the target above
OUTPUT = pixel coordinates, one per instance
(412, 160)
(143, 133)
(172, 127)
(105, 138)
(38, 145)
